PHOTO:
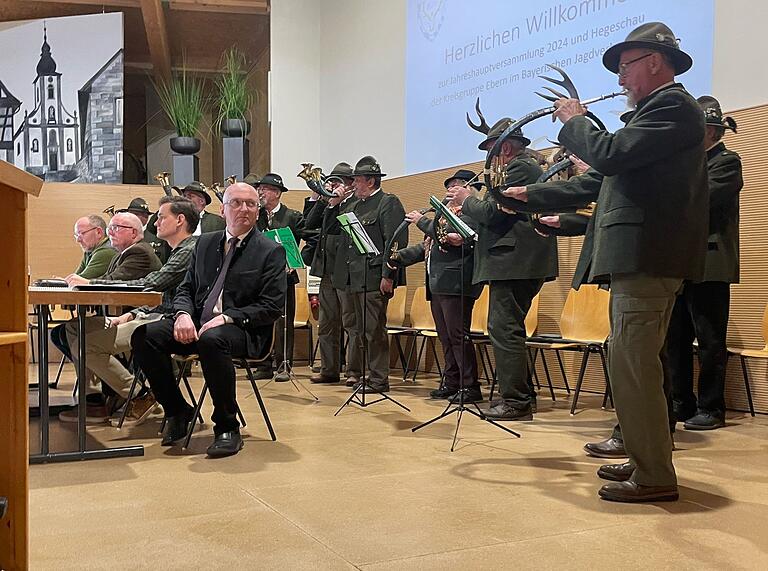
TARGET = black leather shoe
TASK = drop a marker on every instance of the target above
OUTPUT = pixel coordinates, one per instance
(262, 374)
(471, 394)
(682, 413)
(608, 448)
(443, 393)
(704, 421)
(176, 428)
(504, 411)
(632, 492)
(616, 472)
(319, 379)
(226, 444)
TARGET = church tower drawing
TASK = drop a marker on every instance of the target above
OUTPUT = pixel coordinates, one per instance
(47, 143)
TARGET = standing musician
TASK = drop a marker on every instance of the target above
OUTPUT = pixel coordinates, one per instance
(449, 265)
(336, 305)
(515, 261)
(197, 193)
(380, 214)
(646, 251)
(701, 310)
(274, 214)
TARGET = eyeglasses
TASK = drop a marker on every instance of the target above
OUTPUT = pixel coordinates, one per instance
(623, 66)
(81, 234)
(112, 228)
(237, 203)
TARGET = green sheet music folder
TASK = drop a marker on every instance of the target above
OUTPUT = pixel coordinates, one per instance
(284, 236)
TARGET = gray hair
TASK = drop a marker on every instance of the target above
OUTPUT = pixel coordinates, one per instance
(130, 219)
(97, 222)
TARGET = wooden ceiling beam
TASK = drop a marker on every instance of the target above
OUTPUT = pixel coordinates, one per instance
(157, 38)
(228, 6)
(120, 3)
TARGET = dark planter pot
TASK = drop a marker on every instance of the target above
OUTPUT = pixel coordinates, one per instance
(185, 145)
(235, 127)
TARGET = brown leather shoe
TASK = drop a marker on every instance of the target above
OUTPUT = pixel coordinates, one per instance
(616, 472)
(633, 492)
(319, 378)
(608, 448)
(351, 381)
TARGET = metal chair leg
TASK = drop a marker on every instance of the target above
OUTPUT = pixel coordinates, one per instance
(437, 361)
(256, 392)
(196, 415)
(562, 371)
(532, 356)
(131, 394)
(418, 359)
(549, 378)
(582, 370)
(608, 391)
(746, 385)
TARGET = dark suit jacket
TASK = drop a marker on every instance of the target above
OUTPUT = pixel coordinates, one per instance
(508, 247)
(284, 218)
(322, 217)
(653, 206)
(133, 263)
(254, 289)
(445, 261)
(725, 182)
(560, 195)
(311, 235)
(380, 215)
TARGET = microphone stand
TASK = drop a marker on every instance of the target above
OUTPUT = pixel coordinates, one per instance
(457, 403)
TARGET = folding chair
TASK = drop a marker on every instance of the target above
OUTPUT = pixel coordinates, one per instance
(302, 321)
(754, 354)
(584, 327)
(245, 363)
(422, 325)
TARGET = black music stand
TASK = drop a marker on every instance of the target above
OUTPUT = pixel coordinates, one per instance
(457, 404)
(365, 247)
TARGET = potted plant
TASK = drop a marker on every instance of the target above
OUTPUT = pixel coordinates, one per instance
(234, 96)
(183, 101)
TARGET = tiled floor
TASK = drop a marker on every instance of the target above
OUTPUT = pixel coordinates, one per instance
(361, 491)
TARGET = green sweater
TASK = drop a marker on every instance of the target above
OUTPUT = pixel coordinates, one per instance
(95, 263)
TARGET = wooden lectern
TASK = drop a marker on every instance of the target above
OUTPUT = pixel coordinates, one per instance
(15, 186)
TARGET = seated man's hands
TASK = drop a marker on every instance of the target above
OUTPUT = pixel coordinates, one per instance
(124, 318)
(213, 323)
(74, 280)
(184, 330)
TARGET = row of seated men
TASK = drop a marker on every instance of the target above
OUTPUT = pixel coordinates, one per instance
(223, 290)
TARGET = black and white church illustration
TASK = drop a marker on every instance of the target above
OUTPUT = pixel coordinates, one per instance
(59, 130)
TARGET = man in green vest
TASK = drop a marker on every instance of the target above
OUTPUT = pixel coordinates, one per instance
(370, 282)
(515, 261)
(654, 169)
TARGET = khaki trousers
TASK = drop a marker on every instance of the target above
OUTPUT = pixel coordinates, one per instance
(641, 307)
(102, 344)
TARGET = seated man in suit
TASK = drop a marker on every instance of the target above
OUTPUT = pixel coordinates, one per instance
(108, 337)
(91, 235)
(226, 307)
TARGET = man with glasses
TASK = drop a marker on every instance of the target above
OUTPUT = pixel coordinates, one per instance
(91, 235)
(651, 227)
(135, 259)
(176, 220)
(226, 307)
